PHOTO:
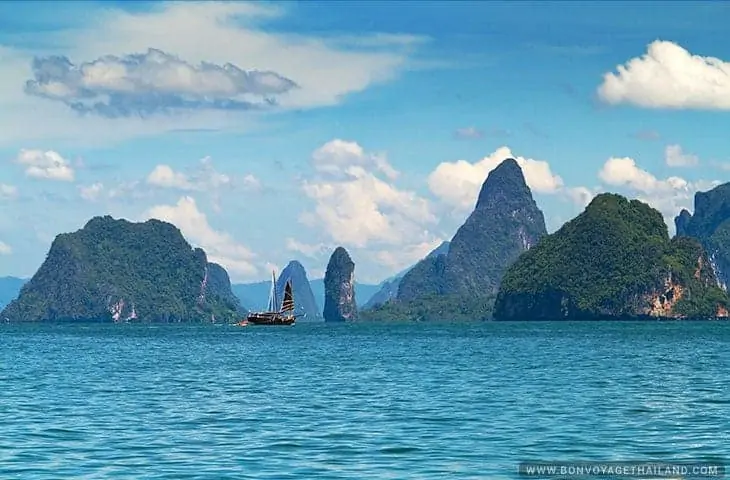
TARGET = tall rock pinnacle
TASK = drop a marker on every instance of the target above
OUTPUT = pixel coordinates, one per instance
(339, 288)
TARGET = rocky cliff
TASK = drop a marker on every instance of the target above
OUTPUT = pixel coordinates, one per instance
(461, 283)
(304, 302)
(615, 260)
(710, 224)
(115, 270)
(388, 289)
(505, 222)
(339, 286)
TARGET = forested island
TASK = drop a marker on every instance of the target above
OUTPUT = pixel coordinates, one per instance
(615, 260)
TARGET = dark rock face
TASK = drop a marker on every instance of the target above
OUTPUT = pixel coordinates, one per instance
(615, 260)
(425, 279)
(505, 223)
(115, 270)
(682, 221)
(710, 224)
(219, 285)
(304, 302)
(339, 288)
(389, 288)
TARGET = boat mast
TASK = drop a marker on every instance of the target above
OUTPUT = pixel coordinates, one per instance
(273, 286)
(272, 294)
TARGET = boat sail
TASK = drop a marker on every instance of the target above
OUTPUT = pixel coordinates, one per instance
(275, 315)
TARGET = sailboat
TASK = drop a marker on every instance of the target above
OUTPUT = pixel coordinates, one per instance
(274, 315)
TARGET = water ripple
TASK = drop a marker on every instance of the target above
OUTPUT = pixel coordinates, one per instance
(416, 401)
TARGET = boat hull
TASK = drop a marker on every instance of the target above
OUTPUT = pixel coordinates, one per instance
(270, 319)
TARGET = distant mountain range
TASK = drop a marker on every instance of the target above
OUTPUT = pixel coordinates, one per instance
(614, 260)
(9, 289)
(254, 296)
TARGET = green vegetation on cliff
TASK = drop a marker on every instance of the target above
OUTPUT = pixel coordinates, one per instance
(432, 307)
(505, 222)
(614, 260)
(118, 270)
(462, 283)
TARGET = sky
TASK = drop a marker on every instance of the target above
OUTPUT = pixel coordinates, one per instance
(275, 131)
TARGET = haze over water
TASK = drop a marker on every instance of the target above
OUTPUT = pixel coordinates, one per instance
(416, 401)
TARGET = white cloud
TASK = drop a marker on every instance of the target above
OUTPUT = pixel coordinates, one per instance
(251, 182)
(48, 165)
(312, 250)
(154, 82)
(204, 178)
(8, 191)
(581, 196)
(164, 176)
(92, 192)
(338, 157)
(624, 172)
(667, 195)
(400, 258)
(668, 76)
(221, 247)
(325, 69)
(675, 157)
(356, 207)
(5, 249)
(458, 183)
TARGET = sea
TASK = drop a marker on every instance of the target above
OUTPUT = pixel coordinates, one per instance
(358, 400)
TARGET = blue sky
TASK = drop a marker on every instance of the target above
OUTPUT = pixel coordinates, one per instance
(277, 131)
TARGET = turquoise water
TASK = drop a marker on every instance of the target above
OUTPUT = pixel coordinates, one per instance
(356, 401)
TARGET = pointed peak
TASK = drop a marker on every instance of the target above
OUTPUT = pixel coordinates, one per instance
(506, 180)
(341, 254)
(294, 265)
(507, 165)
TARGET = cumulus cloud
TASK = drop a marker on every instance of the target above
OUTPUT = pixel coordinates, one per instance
(8, 191)
(398, 259)
(340, 157)
(668, 76)
(458, 183)
(91, 192)
(624, 172)
(675, 157)
(5, 249)
(221, 247)
(204, 178)
(48, 165)
(580, 196)
(164, 176)
(153, 82)
(355, 206)
(668, 195)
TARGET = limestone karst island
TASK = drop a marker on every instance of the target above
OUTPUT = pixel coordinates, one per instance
(615, 260)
